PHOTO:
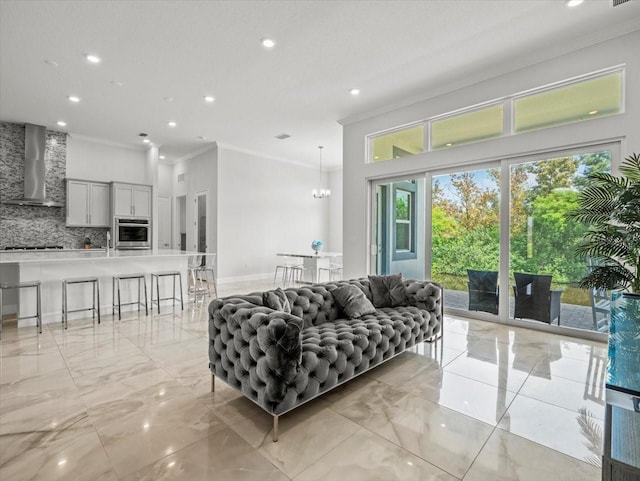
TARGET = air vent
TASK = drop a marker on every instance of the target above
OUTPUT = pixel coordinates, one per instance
(282, 136)
(619, 2)
(180, 178)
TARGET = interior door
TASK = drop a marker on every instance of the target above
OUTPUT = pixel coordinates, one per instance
(164, 222)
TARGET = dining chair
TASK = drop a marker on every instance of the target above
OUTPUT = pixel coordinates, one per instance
(483, 291)
(334, 269)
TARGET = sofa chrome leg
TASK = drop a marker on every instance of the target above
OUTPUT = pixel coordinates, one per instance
(275, 429)
(213, 383)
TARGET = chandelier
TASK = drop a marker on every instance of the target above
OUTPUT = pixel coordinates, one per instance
(322, 193)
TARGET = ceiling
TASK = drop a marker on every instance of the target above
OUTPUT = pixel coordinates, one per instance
(160, 58)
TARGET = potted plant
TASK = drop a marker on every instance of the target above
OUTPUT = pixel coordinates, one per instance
(610, 208)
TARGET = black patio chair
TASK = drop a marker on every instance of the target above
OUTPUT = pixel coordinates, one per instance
(483, 291)
(534, 298)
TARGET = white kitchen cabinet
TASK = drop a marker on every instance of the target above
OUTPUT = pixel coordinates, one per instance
(131, 200)
(87, 203)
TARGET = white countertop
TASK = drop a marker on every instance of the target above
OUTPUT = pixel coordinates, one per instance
(18, 257)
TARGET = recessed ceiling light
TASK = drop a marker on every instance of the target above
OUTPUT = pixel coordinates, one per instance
(171, 123)
(61, 123)
(574, 3)
(449, 145)
(209, 98)
(91, 58)
(268, 43)
(593, 112)
(146, 141)
(162, 157)
(74, 99)
(354, 91)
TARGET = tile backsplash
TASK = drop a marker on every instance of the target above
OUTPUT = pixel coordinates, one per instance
(31, 225)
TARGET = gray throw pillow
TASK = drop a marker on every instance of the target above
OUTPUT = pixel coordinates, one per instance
(277, 300)
(388, 291)
(352, 301)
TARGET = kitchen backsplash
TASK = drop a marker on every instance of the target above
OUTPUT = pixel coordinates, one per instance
(29, 225)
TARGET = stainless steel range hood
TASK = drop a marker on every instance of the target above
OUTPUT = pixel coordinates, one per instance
(35, 137)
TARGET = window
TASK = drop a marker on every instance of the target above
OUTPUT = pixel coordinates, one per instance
(468, 127)
(585, 100)
(404, 221)
(400, 143)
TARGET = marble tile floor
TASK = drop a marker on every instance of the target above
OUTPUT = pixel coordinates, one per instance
(130, 400)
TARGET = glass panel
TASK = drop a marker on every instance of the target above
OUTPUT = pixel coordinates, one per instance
(572, 103)
(466, 128)
(400, 143)
(543, 266)
(466, 238)
(399, 242)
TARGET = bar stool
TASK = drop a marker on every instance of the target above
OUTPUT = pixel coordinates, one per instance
(95, 289)
(157, 276)
(207, 267)
(21, 285)
(116, 281)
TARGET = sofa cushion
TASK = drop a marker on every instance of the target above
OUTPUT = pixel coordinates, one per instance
(352, 301)
(388, 291)
(276, 300)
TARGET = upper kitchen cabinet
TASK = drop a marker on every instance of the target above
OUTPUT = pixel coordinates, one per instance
(131, 200)
(87, 204)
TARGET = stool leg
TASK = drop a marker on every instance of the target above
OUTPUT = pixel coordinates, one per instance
(38, 309)
(65, 321)
(174, 292)
(93, 300)
(146, 306)
(181, 300)
(157, 291)
(119, 302)
(0, 313)
(138, 294)
(113, 296)
(98, 294)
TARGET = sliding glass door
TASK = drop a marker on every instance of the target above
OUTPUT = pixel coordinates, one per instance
(497, 237)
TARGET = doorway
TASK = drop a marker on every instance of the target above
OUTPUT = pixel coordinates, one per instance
(164, 222)
(181, 222)
(201, 221)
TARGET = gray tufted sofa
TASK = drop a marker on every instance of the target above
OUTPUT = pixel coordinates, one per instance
(281, 360)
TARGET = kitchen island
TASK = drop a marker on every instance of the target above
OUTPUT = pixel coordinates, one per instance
(50, 267)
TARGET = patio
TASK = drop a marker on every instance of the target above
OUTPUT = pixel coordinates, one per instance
(571, 315)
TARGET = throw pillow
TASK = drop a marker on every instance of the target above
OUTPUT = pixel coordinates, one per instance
(352, 301)
(277, 300)
(388, 291)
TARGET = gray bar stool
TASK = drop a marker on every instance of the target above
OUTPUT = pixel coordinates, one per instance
(157, 276)
(116, 282)
(21, 285)
(95, 288)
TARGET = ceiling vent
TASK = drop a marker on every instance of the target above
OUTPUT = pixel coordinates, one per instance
(180, 178)
(619, 2)
(282, 136)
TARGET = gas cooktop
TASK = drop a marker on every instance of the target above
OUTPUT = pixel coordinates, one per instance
(32, 248)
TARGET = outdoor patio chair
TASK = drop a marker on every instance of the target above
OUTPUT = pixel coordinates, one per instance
(534, 298)
(483, 291)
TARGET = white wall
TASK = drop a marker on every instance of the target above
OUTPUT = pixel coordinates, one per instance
(200, 174)
(334, 212)
(165, 179)
(623, 127)
(265, 206)
(92, 160)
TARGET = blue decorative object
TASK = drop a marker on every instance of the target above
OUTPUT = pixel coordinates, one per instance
(316, 246)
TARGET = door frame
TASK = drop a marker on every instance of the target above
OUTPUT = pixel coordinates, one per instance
(196, 220)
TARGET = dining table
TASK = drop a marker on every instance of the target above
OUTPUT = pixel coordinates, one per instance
(312, 262)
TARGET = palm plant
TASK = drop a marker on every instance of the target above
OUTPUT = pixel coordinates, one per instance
(610, 208)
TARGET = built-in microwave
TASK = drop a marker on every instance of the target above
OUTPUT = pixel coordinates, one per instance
(130, 233)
